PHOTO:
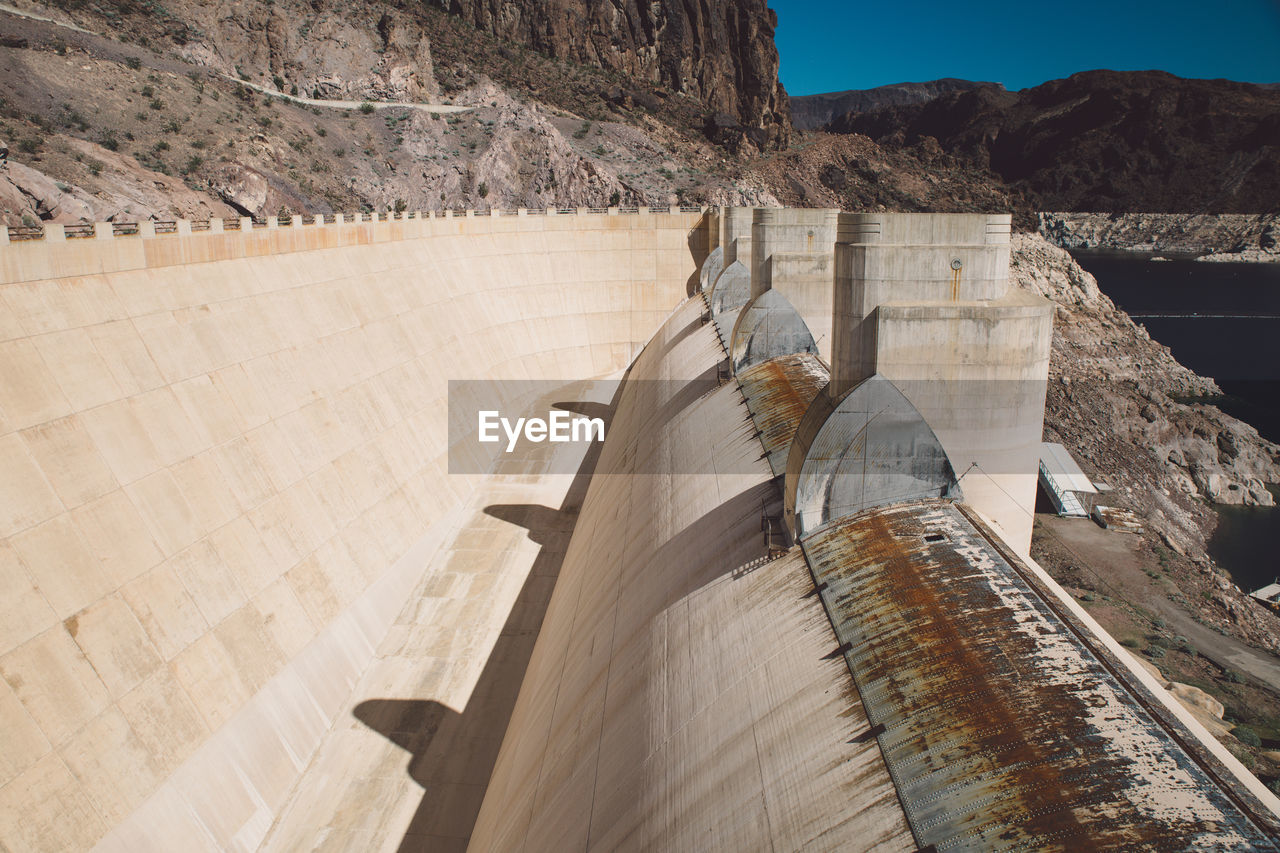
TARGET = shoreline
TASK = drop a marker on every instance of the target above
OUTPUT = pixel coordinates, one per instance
(1213, 238)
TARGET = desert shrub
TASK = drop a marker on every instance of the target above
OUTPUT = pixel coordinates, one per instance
(366, 108)
(1246, 736)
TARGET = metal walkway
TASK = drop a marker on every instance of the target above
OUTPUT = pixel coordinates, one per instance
(1065, 502)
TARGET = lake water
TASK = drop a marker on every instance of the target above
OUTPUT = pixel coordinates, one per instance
(1221, 320)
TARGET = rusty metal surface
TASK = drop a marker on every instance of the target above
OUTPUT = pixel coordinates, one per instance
(1002, 730)
(778, 394)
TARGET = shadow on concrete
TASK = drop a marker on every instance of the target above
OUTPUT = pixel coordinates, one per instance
(453, 754)
(698, 241)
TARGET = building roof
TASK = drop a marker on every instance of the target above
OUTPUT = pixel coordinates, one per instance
(1066, 473)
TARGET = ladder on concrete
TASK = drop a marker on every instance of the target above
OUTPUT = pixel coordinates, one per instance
(1065, 503)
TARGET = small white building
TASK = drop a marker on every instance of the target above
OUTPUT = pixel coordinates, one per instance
(1069, 490)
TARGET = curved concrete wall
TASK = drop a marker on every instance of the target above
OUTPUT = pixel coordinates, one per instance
(222, 472)
(678, 697)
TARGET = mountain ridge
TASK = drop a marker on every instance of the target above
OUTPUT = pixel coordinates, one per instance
(812, 112)
(1106, 141)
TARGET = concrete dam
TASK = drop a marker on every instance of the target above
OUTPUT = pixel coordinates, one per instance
(263, 589)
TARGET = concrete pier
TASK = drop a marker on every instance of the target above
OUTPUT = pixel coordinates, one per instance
(792, 251)
(924, 300)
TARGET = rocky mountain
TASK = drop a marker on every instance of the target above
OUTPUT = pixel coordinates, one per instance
(721, 54)
(812, 112)
(262, 108)
(1107, 141)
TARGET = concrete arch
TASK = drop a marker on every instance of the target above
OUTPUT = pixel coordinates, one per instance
(767, 327)
(869, 448)
(732, 290)
(711, 269)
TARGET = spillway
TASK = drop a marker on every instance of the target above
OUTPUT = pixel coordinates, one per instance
(260, 593)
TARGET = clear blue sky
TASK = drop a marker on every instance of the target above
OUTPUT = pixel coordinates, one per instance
(832, 45)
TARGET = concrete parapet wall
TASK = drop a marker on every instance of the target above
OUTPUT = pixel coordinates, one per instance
(222, 459)
(106, 247)
(943, 229)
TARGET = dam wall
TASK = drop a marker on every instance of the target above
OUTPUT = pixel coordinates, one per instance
(223, 472)
(899, 679)
(682, 694)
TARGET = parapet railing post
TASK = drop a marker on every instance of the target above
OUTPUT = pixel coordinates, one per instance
(216, 225)
(101, 231)
(147, 228)
(54, 232)
(339, 219)
(183, 227)
(297, 220)
(4, 235)
(613, 210)
(273, 222)
(246, 224)
(522, 211)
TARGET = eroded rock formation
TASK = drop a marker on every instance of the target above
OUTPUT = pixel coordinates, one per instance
(720, 53)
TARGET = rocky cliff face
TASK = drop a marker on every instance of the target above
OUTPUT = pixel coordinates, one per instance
(105, 129)
(1108, 141)
(1113, 401)
(811, 112)
(721, 53)
(1107, 377)
(1224, 237)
